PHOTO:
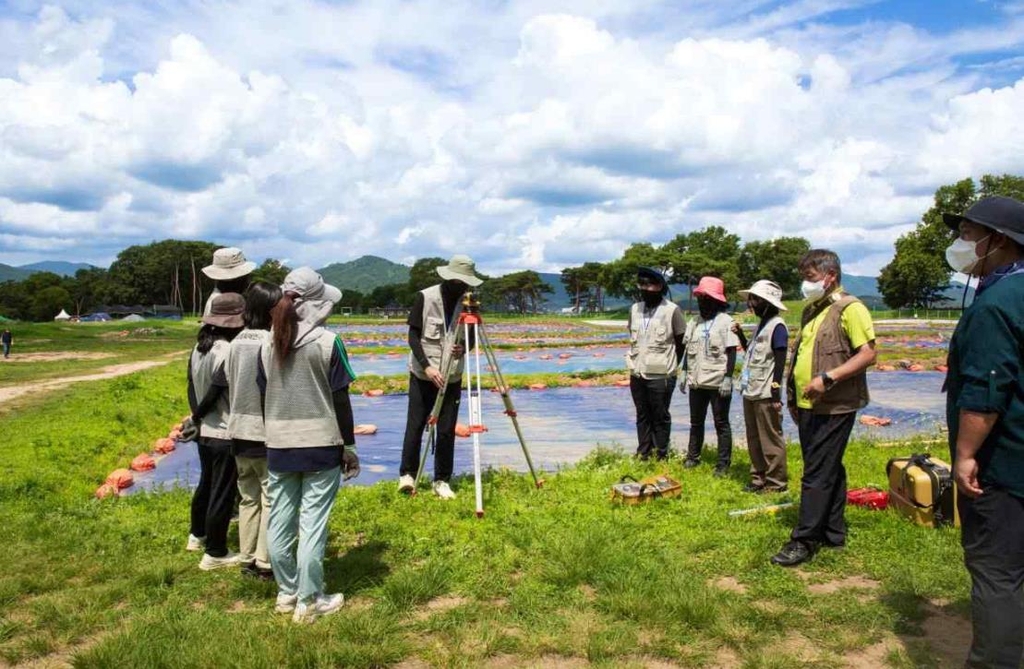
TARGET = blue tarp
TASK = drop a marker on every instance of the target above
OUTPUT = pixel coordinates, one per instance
(561, 425)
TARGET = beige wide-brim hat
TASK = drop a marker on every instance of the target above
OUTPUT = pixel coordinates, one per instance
(769, 291)
(228, 263)
(461, 268)
(307, 283)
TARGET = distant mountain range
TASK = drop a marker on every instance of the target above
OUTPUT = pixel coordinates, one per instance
(8, 273)
(369, 272)
(364, 274)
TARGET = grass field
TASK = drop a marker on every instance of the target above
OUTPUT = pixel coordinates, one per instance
(557, 577)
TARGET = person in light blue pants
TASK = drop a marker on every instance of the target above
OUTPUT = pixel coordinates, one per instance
(303, 375)
(300, 505)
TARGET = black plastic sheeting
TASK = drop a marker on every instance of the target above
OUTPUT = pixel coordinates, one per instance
(561, 425)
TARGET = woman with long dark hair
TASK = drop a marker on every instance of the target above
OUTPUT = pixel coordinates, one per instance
(248, 435)
(304, 376)
(213, 500)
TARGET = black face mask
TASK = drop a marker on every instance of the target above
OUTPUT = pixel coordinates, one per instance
(760, 310)
(651, 298)
(708, 309)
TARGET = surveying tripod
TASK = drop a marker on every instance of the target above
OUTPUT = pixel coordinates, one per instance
(470, 328)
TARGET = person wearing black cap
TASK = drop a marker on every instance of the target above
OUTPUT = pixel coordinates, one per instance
(656, 329)
(985, 413)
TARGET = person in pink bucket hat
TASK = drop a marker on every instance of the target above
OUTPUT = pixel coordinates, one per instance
(709, 364)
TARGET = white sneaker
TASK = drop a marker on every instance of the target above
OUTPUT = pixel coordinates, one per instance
(209, 562)
(285, 603)
(443, 490)
(195, 544)
(307, 612)
(406, 483)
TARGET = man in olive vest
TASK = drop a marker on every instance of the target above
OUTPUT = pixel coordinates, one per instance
(826, 387)
(432, 325)
(656, 328)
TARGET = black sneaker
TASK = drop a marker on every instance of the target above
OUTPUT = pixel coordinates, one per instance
(252, 571)
(721, 472)
(690, 464)
(793, 553)
(753, 487)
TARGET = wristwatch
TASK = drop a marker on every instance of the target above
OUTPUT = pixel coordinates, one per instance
(827, 380)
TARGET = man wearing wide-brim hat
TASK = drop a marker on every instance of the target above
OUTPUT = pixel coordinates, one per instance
(230, 272)
(761, 388)
(985, 412)
(432, 324)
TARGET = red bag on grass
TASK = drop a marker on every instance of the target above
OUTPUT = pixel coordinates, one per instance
(143, 462)
(120, 479)
(869, 498)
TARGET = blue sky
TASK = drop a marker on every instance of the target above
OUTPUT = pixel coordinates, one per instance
(528, 134)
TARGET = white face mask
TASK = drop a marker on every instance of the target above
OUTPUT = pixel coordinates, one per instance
(962, 255)
(813, 290)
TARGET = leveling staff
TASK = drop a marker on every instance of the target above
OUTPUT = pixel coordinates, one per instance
(432, 325)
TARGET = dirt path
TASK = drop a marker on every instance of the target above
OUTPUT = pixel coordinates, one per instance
(14, 392)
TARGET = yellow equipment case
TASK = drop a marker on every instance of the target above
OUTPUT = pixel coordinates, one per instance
(630, 491)
(921, 488)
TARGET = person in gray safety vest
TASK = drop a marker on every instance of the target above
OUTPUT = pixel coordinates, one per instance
(710, 361)
(656, 328)
(433, 322)
(761, 387)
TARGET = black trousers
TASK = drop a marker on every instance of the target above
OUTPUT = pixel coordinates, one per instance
(422, 395)
(700, 399)
(992, 528)
(823, 440)
(652, 397)
(214, 498)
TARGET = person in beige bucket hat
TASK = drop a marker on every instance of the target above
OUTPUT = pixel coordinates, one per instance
(432, 322)
(761, 388)
(230, 272)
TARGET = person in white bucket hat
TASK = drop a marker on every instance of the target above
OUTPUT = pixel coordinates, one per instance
(432, 322)
(230, 272)
(761, 387)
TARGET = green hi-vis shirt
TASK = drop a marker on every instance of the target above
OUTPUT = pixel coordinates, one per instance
(986, 374)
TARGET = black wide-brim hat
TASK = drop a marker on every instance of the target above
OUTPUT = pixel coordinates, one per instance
(1003, 214)
(651, 273)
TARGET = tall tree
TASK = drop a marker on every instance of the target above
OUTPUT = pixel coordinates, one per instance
(156, 273)
(423, 273)
(711, 251)
(774, 259)
(619, 276)
(272, 271)
(521, 292)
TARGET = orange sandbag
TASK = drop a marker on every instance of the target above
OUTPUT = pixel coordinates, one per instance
(174, 434)
(366, 428)
(875, 421)
(546, 356)
(537, 386)
(622, 383)
(462, 430)
(143, 462)
(886, 368)
(164, 446)
(915, 368)
(375, 392)
(105, 491)
(564, 356)
(120, 479)
(941, 368)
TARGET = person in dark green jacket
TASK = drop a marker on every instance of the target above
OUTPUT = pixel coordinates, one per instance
(985, 413)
